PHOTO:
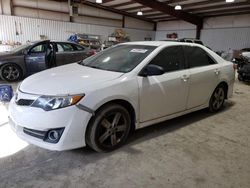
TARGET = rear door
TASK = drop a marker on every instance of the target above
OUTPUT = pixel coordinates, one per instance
(65, 53)
(80, 52)
(35, 59)
(204, 75)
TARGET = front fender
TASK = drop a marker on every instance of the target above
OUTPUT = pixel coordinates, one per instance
(121, 90)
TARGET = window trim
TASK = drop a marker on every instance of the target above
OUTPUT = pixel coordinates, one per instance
(76, 49)
(187, 62)
(65, 51)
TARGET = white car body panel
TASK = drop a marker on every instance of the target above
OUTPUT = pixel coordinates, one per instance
(201, 84)
(157, 92)
(55, 83)
(154, 98)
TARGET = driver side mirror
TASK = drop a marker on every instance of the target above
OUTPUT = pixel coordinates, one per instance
(152, 70)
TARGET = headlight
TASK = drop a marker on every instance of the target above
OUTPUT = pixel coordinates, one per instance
(18, 86)
(48, 103)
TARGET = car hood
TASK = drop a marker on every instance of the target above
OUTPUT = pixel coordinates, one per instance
(66, 80)
(4, 55)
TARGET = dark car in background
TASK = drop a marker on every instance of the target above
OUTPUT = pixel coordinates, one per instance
(191, 40)
(31, 58)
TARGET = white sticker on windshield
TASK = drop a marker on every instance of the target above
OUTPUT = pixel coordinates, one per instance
(139, 51)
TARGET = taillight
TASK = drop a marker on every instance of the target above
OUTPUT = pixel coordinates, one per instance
(91, 52)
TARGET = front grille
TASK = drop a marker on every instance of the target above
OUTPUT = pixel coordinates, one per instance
(24, 102)
(35, 133)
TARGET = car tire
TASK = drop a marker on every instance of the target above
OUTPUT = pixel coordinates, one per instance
(240, 77)
(109, 128)
(217, 99)
(10, 72)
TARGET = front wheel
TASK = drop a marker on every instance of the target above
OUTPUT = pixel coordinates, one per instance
(10, 72)
(217, 99)
(109, 129)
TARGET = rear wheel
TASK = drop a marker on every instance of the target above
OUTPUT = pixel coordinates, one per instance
(240, 77)
(217, 99)
(109, 129)
(10, 72)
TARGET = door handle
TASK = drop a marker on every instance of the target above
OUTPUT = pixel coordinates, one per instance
(185, 78)
(217, 71)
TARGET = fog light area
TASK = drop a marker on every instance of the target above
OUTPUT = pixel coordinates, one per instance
(9, 142)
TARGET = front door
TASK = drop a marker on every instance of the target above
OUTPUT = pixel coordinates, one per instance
(165, 94)
(36, 57)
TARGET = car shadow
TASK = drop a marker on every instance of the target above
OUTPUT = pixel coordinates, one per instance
(156, 130)
(34, 163)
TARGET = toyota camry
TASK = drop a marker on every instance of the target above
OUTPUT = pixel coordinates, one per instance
(100, 100)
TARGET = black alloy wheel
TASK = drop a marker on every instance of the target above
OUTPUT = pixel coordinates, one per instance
(217, 99)
(10, 72)
(109, 129)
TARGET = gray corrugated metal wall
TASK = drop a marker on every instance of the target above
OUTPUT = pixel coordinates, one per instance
(219, 33)
(187, 33)
(225, 38)
(59, 11)
(56, 30)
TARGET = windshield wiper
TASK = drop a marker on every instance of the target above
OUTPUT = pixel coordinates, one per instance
(91, 66)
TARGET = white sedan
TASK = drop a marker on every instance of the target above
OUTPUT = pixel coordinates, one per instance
(98, 101)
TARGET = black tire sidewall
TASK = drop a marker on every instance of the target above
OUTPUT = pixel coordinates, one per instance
(93, 128)
(13, 65)
(240, 77)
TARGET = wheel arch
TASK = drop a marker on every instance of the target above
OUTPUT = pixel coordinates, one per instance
(126, 104)
(21, 68)
(225, 85)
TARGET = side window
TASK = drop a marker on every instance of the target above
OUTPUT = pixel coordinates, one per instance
(197, 57)
(171, 59)
(67, 47)
(59, 48)
(38, 49)
(79, 48)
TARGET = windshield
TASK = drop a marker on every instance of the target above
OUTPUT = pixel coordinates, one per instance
(121, 58)
(19, 48)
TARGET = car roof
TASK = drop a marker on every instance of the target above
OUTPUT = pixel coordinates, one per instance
(160, 43)
(55, 41)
